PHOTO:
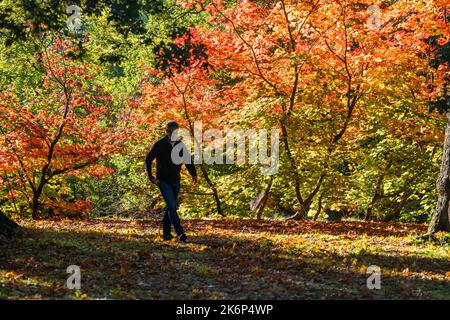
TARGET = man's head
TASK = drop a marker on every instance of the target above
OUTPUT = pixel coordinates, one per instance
(171, 126)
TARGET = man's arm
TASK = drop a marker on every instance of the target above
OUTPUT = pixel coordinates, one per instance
(148, 162)
(190, 166)
(192, 171)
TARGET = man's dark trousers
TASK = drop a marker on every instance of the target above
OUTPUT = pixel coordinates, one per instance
(169, 191)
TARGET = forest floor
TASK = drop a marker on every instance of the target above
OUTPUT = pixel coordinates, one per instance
(224, 259)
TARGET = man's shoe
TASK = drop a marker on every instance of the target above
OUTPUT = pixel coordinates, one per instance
(183, 237)
(167, 237)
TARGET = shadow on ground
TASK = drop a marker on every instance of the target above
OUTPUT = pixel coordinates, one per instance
(140, 265)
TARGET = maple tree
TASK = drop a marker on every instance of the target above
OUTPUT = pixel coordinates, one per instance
(316, 60)
(63, 127)
(178, 89)
(349, 90)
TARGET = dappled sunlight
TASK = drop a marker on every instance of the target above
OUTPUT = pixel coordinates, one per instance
(223, 259)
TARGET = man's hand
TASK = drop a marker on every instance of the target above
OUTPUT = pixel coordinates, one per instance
(194, 180)
(154, 180)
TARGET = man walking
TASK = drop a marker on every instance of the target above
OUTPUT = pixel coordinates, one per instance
(168, 177)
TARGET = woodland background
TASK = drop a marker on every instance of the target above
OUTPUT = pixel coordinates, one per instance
(358, 103)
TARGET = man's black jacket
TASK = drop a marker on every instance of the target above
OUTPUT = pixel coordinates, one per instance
(166, 169)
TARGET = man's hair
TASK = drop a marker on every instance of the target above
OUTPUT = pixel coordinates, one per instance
(172, 125)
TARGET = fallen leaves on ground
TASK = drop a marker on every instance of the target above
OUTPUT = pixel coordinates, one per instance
(224, 259)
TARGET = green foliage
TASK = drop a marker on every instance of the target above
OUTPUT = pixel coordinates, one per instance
(378, 168)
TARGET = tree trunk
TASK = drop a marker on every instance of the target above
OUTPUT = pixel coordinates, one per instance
(394, 214)
(378, 190)
(211, 184)
(213, 189)
(262, 205)
(7, 226)
(302, 213)
(370, 207)
(35, 203)
(441, 217)
(294, 170)
(319, 207)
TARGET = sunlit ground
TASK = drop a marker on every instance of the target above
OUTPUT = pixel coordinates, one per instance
(224, 259)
